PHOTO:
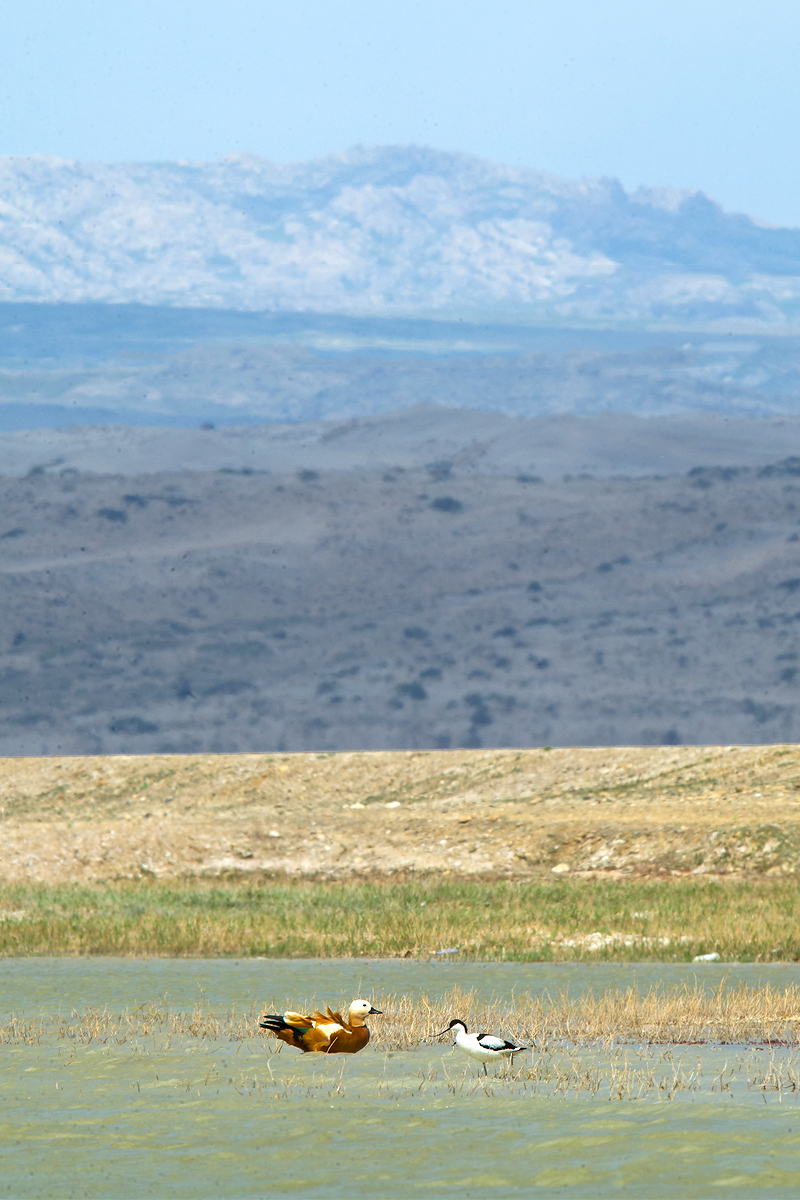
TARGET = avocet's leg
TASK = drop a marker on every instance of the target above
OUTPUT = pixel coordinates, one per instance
(484, 1069)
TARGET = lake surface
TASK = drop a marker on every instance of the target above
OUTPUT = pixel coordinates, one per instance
(164, 1115)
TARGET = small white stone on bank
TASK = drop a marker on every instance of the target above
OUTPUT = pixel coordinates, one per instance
(560, 869)
(713, 957)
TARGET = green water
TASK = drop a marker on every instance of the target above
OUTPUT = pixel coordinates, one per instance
(201, 1116)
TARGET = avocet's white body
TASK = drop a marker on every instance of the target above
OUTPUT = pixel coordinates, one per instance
(485, 1047)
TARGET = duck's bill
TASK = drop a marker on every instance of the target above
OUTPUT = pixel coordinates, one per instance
(376, 1012)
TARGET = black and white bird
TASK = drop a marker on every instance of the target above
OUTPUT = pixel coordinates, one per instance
(485, 1047)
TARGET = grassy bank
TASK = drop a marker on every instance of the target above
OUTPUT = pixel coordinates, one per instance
(563, 920)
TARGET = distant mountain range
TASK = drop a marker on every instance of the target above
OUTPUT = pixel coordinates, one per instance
(389, 231)
(140, 365)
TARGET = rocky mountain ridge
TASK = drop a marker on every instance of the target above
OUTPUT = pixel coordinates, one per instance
(388, 230)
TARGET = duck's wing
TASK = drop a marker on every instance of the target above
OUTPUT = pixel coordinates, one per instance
(316, 1039)
(287, 1020)
(328, 1018)
(298, 1020)
(337, 1016)
(295, 1029)
(330, 1026)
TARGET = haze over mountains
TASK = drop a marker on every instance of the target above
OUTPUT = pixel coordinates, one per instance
(438, 441)
(133, 365)
(393, 230)
(531, 475)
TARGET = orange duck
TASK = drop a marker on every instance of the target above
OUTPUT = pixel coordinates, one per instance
(323, 1033)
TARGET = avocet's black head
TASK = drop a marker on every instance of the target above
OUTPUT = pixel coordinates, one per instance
(453, 1025)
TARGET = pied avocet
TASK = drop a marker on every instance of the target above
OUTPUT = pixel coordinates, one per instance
(483, 1046)
(323, 1033)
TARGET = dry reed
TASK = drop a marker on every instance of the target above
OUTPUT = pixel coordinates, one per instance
(660, 1045)
(660, 1016)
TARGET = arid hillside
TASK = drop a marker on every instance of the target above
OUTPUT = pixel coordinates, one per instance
(324, 610)
(666, 811)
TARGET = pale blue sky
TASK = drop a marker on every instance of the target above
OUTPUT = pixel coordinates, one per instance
(703, 94)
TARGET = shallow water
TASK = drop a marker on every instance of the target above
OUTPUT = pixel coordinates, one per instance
(43, 985)
(208, 1117)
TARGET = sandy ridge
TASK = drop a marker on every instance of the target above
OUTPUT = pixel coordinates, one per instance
(666, 811)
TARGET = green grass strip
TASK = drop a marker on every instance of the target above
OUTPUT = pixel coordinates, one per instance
(600, 920)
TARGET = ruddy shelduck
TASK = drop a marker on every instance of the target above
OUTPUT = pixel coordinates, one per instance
(323, 1033)
(485, 1047)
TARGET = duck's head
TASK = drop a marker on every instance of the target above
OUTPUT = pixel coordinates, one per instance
(359, 1010)
(457, 1024)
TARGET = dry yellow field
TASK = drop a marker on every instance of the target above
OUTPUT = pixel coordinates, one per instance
(665, 811)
